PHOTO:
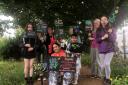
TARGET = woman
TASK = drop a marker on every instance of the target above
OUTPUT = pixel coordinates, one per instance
(51, 40)
(29, 44)
(58, 52)
(106, 38)
(94, 48)
(41, 47)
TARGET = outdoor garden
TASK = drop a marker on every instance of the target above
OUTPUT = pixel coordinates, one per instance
(59, 14)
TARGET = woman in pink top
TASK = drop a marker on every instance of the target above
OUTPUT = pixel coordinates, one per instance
(52, 40)
(94, 49)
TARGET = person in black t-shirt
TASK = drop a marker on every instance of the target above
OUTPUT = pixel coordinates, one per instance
(75, 49)
(28, 48)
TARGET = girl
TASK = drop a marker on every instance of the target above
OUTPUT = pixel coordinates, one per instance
(106, 38)
(29, 44)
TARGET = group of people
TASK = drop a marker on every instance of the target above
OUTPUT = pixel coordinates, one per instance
(102, 37)
(33, 44)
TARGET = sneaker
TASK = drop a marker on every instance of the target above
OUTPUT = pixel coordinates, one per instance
(107, 82)
(104, 78)
(97, 77)
(31, 81)
(93, 76)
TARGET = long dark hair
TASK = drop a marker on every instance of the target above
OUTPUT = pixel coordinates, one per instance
(30, 23)
(107, 27)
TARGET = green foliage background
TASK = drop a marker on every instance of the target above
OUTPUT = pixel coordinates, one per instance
(9, 47)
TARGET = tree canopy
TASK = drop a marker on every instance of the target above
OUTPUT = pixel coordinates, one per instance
(69, 11)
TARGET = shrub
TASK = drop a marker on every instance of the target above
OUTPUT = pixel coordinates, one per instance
(120, 81)
(9, 47)
(119, 66)
(119, 70)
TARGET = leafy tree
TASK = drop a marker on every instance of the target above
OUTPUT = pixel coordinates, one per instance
(69, 11)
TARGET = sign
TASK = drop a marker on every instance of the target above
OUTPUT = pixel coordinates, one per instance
(62, 64)
(61, 31)
(88, 24)
(54, 63)
(41, 27)
(58, 22)
(68, 64)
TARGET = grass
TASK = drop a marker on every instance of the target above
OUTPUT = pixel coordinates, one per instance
(85, 59)
(11, 73)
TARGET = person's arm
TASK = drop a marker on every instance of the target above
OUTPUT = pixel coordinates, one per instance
(112, 35)
(68, 48)
(104, 37)
(100, 37)
(64, 54)
(90, 38)
(33, 43)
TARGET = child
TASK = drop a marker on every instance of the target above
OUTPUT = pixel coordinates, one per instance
(75, 48)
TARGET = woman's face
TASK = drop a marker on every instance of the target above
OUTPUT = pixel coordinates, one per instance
(29, 27)
(50, 31)
(96, 24)
(56, 48)
(104, 21)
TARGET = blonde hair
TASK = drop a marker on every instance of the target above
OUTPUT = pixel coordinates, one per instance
(96, 20)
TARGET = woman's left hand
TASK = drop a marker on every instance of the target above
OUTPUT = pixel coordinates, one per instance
(110, 30)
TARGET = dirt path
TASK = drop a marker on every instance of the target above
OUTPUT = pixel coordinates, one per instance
(84, 79)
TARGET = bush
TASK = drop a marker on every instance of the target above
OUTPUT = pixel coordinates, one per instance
(119, 71)
(9, 47)
(120, 81)
(119, 66)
